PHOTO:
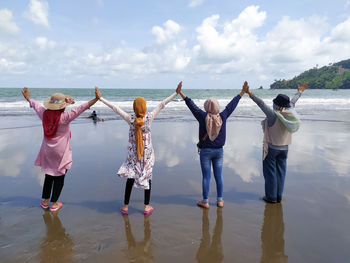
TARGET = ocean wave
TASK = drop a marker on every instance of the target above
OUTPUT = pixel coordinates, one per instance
(326, 109)
(178, 103)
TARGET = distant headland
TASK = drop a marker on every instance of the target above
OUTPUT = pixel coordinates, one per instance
(333, 76)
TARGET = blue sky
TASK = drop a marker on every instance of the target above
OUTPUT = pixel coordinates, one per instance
(155, 44)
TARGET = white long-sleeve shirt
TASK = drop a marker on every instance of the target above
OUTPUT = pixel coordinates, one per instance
(127, 117)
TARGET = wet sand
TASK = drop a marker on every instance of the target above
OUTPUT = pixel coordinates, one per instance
(311, 224)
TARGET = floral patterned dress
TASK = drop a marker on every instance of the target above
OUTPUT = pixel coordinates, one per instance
(140, 170)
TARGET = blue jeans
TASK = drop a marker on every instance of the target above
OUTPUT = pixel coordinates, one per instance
(274, 168)
(210, 156)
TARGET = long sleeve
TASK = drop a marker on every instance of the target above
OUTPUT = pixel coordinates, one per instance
(68, 116)
(119, 111)
(37, 108)
(230, 107)
(161, 106)
(196, 111)
(270, 114)
(295, 99)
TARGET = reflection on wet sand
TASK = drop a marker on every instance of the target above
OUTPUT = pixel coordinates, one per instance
(211, 251)
(139, 251)
(100, 238)
(272, 235)
(56, 246)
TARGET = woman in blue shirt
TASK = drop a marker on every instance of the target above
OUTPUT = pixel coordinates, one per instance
(212, 137)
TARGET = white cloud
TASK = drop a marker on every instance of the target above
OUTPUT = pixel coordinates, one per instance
(168, 54)
(341, 33)
(241, 158)
(44, 43)
(11, 166)
(222, 43)
(165, 58)
(38, 12)
(290, 47)
(293, 45)
(38, 175)
(249, 19)
(167, 33)
(347, 4)
(6, 22)
(194, 3)
(169, 149)
(12, 67)
(309, 149)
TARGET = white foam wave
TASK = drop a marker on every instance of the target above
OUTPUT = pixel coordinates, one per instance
(318, 103)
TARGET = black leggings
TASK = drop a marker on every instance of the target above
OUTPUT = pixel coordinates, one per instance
(57, 182)
(128, 188)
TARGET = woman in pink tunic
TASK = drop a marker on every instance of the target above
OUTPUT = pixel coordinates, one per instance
(55, 155)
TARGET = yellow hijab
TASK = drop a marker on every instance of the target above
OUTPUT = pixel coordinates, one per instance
(140, 111)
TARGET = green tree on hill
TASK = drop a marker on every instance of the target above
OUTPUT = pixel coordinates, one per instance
(334, 76)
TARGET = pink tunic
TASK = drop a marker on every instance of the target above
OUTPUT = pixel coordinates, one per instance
(55, 155)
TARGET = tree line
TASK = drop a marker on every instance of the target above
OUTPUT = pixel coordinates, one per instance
(333, 76)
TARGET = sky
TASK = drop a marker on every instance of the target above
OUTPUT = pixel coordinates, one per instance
(154, 44)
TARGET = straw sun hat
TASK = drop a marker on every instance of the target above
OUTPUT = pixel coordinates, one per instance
(58, 101)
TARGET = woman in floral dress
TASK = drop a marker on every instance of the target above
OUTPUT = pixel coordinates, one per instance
(138, 166)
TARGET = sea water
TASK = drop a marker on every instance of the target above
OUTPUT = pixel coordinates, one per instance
(329, 105)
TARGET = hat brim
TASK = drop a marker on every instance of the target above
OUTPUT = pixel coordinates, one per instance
(56, 106)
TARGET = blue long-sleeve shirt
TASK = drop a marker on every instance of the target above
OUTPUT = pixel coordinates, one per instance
(200, 115)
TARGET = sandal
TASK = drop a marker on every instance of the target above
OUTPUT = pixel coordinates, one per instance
(220, 204)
(56, 208)
(124, 212)
(148, 211)
(269, 201)
(203, 204)
(44, 206)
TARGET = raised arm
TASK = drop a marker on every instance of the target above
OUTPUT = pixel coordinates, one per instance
(179, 90)
(196, 111)
(33, 104)
(270, 114)
(231, 106)
(69, 116)
(161, 106)
(301, 89)
(115, 108)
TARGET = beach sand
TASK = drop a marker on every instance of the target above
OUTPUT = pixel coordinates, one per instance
(310, 225)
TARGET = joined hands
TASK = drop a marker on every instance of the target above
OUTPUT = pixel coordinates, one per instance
(98, 94)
